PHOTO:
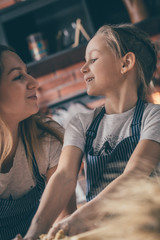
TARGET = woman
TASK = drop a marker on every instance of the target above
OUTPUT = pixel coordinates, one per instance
(119, 140)
(30, 146)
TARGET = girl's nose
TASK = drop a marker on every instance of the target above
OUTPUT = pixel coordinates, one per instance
(84, 68)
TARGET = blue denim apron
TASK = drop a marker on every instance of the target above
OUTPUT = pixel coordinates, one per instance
(103, 169)
(16, 215)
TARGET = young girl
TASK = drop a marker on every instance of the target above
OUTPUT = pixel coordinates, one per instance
(30, 146)
(119, 140)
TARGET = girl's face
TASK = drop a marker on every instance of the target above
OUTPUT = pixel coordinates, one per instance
(102, 70)
(18, 89)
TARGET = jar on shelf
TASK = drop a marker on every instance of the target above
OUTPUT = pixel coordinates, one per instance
(37, 46)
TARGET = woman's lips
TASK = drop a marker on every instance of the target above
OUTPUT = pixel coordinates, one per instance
(34, 97)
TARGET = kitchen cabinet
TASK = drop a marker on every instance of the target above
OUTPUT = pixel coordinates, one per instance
(48, 17)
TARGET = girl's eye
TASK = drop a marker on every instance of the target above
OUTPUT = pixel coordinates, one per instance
(93, 60)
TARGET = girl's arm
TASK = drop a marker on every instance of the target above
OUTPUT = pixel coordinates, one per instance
(72, 205)
(144, 159)
(58, 191)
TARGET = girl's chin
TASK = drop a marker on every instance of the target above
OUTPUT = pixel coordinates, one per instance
(91, 93)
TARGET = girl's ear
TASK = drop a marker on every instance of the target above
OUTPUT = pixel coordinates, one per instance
(128, 62)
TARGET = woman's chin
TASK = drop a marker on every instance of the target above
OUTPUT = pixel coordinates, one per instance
(34, 111)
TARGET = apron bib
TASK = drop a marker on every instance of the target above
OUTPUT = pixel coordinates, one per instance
(103, 169)
(16, 215)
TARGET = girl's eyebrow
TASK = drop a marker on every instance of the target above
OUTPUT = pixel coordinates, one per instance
(93, 50)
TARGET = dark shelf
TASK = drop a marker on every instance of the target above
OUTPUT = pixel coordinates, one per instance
(57, 61)
(47, 17)
(21, 8)
(150, 25)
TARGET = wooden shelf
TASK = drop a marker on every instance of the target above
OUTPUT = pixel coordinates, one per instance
(57, 61)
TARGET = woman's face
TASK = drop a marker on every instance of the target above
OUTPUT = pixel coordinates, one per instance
(102, 70)
(18, 89)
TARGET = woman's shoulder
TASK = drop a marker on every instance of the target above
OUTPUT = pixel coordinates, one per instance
(49, 128)
(54, 124)
(48, 121)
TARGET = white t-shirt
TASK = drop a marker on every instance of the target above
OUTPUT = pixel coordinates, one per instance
(112, 128)
(18, 181)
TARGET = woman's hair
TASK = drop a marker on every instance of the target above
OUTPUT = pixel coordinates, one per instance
(124, 38)
(32, 129)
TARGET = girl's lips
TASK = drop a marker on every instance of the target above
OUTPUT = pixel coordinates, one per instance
(89, 79)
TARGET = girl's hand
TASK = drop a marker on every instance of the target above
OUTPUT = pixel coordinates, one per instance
(18, 237)
(62, 225)
(71, 225)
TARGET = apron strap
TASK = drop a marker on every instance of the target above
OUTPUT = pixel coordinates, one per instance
(92, 130)
(16, 214)
(39, 179)
(137, 118)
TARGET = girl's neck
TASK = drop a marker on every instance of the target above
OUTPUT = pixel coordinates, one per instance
(122, 98)
(120, 105)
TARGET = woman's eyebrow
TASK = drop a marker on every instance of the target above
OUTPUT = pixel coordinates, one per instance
(13, 69)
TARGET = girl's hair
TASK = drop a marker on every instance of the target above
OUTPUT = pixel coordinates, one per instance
(32, 129)
(124, 38)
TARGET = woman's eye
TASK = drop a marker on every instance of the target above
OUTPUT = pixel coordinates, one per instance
(18, 77)
(93, 60)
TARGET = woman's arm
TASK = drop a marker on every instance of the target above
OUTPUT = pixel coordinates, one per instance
(142, 162)
(58, 191)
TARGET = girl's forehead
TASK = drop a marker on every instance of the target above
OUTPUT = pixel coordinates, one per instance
(97, 41)
(96, 45)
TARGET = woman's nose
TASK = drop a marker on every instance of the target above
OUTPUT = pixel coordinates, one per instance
(32, 83)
